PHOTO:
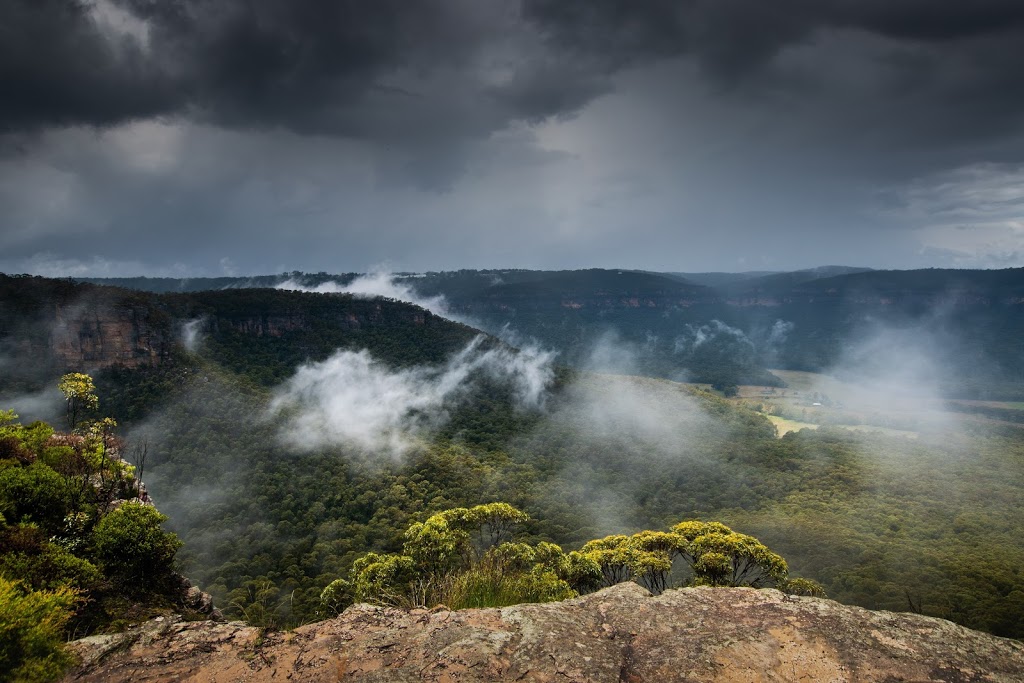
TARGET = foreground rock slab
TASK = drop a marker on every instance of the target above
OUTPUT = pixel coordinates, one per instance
(618, 634)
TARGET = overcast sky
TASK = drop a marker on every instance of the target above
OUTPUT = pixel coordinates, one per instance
(209, 137)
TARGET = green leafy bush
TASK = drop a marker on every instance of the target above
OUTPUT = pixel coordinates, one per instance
(130, 544)
(31, 638)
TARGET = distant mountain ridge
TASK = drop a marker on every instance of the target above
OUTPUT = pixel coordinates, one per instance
(268, 524)
(726, 329)
(722, 279)
(63, 325)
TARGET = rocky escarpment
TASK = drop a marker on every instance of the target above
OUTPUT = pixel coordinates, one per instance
(105, 335)
(618, 634)
(52, 326)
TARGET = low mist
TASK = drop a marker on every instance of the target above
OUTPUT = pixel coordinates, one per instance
(611, 404)
(621, 437)
(696, 336)
(46, 405)
(893, 377)
(657, 416)
(609, 353)
(353, 400)
(191, 334)
(373, 284)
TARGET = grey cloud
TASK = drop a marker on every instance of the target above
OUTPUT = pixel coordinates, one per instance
(425, 77)
(931, 21)
(394, 70)
(389, 70)
(745, 32)
(449, 133)
(58, 67)
(942, 66)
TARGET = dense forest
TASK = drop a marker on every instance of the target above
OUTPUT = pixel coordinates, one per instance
(723, 328)
(891, 523)
(275, 502)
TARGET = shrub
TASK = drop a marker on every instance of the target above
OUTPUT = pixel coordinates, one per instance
(131, 545)
(31, 641)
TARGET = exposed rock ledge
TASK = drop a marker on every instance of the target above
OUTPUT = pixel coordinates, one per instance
(618, 634)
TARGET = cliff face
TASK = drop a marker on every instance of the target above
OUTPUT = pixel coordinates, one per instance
(101, 336)
(361, 315)
(618, 634)
(52, 326)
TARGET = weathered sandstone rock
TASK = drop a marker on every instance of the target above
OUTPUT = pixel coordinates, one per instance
(618, 634)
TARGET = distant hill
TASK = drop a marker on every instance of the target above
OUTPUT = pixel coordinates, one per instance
(164, 285)
(270, 517)
(263, 333)
(783, 282)
(818, 320)
(728, 328)
(719, 279)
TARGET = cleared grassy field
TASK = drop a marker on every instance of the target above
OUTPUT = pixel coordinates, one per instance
(784, 426)
(813, 400)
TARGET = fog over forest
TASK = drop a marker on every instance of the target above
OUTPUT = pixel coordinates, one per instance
(480, 303)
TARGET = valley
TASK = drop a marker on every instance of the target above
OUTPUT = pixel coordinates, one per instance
(535, 340)
(289, 433)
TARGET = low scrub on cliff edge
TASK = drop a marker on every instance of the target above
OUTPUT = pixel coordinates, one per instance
(81, 548)
(466, 557)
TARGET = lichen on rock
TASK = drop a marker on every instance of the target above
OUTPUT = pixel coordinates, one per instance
(621, 633)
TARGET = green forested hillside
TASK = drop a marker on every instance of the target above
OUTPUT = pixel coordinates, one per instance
(81, 549)
(726, 329)
(882, 522)
(926, 524)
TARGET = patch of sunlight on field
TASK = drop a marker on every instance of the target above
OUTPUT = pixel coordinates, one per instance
(784, 426)
(888, 431)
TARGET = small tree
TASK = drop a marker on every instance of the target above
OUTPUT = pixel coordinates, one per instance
(335, 598)
(31, 638)
(79, 397)
(383, 578)
(130, 544)
(494, 522)
(719, 556)
(445, 540)
(653, 555)
(456, 557)
(436, 546)
(580, 572)
(613, 555)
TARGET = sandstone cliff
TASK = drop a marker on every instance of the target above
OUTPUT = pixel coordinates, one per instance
(48, 326)
(618, 634)
(98, 336)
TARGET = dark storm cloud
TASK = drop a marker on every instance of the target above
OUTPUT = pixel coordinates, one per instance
(58, 68)
(951, 68)
(728, 36)
(305, 64)
(490, 132)
(406, 71)
(729, 33)
(387, 69)
(928, 20)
